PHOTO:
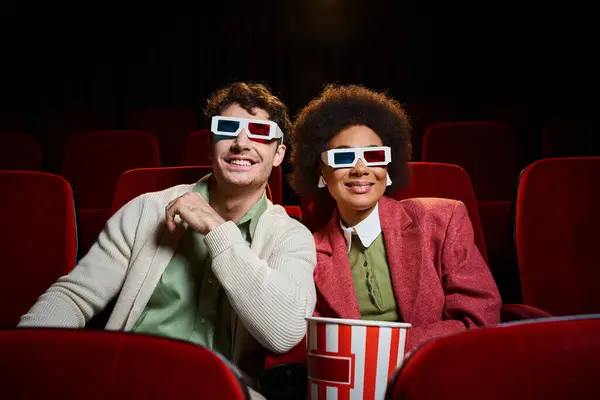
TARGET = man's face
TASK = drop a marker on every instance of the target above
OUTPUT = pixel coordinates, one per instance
(241, 162)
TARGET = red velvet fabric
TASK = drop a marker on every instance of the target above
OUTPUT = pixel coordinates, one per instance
(91, 222)
(170, 126)
(93, 161)
(197, 148)
(19, 151)
(143, 180)
(78, 364)
(497, 222)
(136, 182)
(557, 239)
(197, 153)
(490, 152)
(541, 360)
(38, 239)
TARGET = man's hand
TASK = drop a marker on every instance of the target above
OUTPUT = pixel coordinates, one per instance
(195, 211)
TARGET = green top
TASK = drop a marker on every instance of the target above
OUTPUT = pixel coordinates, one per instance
(372, 280)
(188, 302)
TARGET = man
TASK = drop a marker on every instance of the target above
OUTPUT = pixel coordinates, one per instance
(214, 262)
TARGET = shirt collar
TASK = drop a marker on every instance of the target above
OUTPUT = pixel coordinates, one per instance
(250, 218)
(367, 230)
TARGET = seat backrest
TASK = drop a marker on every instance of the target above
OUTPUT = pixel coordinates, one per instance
(58, 126)
(197, 148)
(197, 152)
(84, 364)
(93, 161)
(553, 359)
(490, 152)
(557, 220)
(19, 151)
(427, 180)
(38, 239)
(144, 180)
(171, 127)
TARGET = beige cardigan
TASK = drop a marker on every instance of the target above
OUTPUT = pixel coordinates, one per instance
(270, 284)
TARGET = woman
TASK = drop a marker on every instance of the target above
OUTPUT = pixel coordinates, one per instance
(378, 258)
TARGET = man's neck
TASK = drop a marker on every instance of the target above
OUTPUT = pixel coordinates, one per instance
(233, 203)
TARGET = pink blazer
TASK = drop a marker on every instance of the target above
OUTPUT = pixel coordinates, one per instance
(441, 282)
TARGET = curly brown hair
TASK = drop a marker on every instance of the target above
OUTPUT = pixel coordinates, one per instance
(337, 108)
(249, 96)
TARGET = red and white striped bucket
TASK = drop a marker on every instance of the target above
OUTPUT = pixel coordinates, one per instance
(352, 359)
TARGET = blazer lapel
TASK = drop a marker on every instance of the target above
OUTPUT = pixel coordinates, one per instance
(404, 252)
(333, 276)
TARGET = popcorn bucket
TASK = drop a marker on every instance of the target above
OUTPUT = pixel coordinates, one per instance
(352, 359)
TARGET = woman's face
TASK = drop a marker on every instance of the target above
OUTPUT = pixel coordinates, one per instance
(360, 187)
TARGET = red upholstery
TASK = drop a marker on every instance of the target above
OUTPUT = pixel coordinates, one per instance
(91, 223)
(57, 126)
(490, 152)
(539, 360)
(497, 222)
(38, 240)
(136, 182)
(79, 364)
(557, 222)
(492, 155)
(170, 126)
(423, 115)
(197, 152)
(93, 161)
(197, 148)
(19, 151)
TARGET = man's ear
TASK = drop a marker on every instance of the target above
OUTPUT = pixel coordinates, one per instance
(279, 155)
(209, 147)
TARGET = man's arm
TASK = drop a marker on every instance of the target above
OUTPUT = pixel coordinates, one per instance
(75, 298)
(271, 297)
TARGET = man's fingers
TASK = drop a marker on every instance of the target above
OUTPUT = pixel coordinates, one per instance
(171, 211)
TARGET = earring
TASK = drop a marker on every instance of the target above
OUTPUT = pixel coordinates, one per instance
(322, 182)
(389, 181)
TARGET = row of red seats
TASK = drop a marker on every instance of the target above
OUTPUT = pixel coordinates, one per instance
(565, 136)
(556, 222)
(93, 161)
(545, 359)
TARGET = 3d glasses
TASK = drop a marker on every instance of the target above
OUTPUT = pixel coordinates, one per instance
(348, 157)
(256, 129)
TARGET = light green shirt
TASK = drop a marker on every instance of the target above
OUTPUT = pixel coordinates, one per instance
(188, 302)
(372, 280)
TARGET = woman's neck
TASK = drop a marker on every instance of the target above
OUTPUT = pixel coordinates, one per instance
(352, 217)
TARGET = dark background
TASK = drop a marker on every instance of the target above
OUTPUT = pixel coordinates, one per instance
(526, 63)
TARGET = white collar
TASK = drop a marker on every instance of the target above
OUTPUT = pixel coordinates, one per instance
(367, 230)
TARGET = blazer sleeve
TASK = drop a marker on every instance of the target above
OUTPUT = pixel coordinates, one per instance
(471, 296)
